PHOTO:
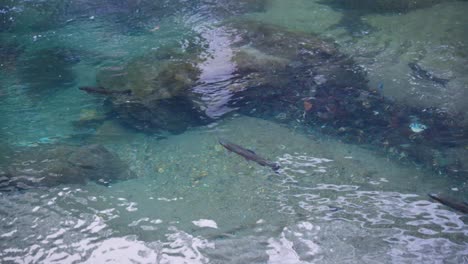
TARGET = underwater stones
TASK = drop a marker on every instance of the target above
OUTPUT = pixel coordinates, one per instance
(47, 166)
(270, 63)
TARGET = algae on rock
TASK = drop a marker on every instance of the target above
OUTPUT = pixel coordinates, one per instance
(161, 91)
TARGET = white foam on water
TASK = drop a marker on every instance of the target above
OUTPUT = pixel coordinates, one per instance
(205, 223)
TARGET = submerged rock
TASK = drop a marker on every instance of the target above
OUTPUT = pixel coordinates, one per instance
(160, 85)
(278, 70)
(160, 80)
(47, 166)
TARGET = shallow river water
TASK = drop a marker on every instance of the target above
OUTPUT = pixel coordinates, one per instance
(347, 191)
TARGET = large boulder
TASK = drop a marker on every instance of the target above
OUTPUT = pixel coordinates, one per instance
(54, 165)
(160, 84)
(151, 75)
(278, 70)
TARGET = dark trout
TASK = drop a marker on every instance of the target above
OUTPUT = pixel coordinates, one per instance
(248, 154)
(450, 202)
(423, 74)
(104, 91)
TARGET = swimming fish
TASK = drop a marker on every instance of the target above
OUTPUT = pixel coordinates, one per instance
(450, 202)
(423, 74)
(248, 154)
(104, 91)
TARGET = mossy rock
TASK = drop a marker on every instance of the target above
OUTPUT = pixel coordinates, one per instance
(161, 82)
(159, 75)
(169, 79)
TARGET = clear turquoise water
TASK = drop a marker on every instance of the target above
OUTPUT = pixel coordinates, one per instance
(333, 201)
